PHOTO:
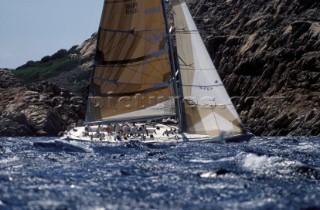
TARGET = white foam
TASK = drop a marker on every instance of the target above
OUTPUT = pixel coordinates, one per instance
(49, 204)
(306, 147)
(221, 186)
(208, 175)
(252, 161)
(270, 165)
(201, 161)
(9, 160)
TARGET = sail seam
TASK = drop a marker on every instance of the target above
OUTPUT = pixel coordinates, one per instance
(187, 32)
(132, 119)
(133, 93)
(127, 83)
(202, 85)
(115, 1)
(195, 69)
(131, 64)
(132, 31)
(134, 60)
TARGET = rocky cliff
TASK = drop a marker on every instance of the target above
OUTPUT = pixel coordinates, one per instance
(266, 51)
(42, 109)
(268, 55)
(34, 103)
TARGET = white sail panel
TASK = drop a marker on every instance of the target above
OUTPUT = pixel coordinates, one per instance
(137, 107)
(207, 108)
(156, 111)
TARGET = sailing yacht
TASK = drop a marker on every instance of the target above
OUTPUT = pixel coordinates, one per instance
(141, 79)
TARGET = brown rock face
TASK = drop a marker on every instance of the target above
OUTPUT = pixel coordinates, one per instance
(38, 110)
(7, 79)
(268, 55)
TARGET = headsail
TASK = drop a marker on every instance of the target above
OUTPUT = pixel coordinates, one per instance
(132, 77)
(208, 109)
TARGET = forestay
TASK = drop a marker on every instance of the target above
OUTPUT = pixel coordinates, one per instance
(208, 109)
(132, 77)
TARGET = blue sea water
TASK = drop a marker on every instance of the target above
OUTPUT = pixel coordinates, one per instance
(265, 173)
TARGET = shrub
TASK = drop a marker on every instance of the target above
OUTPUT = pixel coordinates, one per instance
(45, 59)
(45, 71)
(60, 54)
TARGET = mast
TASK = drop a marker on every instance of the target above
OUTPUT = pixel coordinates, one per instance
(177, 97)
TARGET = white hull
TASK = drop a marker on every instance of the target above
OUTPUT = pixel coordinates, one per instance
(158, 132)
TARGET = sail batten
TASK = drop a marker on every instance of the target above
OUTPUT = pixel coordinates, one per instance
(134, 60)
(132, 77)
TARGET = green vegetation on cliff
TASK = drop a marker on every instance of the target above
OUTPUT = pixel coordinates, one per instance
(45, 71)
(47, 67)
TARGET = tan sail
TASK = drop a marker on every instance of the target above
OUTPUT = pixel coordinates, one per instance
(132, 78)
(207, 107)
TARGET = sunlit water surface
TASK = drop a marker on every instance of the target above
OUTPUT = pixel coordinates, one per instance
(266, 173)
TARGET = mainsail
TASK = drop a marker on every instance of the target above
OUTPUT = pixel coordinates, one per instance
(208, 109)
(132, 78)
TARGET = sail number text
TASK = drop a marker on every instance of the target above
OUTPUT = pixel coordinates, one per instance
(132, 8)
